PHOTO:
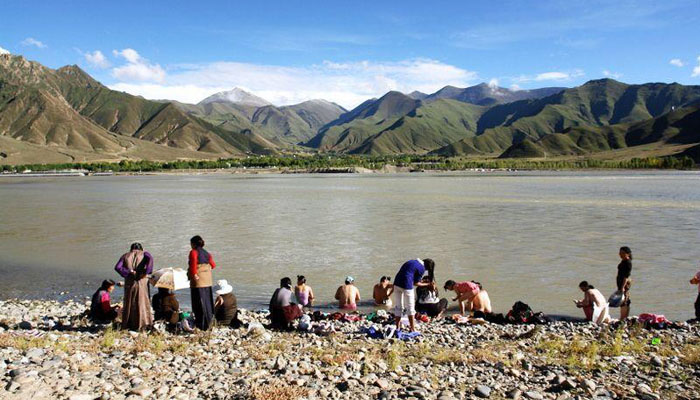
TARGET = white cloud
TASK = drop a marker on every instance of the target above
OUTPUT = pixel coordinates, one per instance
(137, 68)
(696, 70)
(613, 75)
(97, 59)
(347, 83)
(4, 51)
(557, 76)
(493, 83)
(515, 87)
(33, 42)
(677, 62)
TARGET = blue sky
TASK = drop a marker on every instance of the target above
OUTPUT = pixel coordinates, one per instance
(289, 51)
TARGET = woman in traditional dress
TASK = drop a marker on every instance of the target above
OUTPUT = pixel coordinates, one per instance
(134, 267)
(200, 265)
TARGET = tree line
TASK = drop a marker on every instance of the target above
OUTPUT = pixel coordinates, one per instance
(332, 161)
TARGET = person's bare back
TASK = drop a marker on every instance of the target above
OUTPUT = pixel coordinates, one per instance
(482, 302)
(347, 296)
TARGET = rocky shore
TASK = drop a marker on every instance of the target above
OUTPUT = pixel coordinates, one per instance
(47, 350)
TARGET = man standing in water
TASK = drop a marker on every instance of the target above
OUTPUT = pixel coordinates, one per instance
(624, 271)
(408, 277)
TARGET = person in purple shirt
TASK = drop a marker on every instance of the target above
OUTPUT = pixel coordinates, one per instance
(134, 267)
(408, 277)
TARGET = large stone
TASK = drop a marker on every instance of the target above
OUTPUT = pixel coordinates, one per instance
(482, 391)
(589, 385)
(141, 390)
(569, 384)
(534, 395)
(25, 325)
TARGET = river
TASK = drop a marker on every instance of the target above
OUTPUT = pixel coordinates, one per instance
(528, 236)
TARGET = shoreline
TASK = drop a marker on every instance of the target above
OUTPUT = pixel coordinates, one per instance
(357, 171)
(560, 360)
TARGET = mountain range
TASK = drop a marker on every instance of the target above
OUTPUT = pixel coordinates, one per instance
(63, 115)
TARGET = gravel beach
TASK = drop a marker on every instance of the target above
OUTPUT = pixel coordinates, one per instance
(47, 350)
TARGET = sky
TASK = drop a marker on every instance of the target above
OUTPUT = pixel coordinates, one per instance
(346, 52)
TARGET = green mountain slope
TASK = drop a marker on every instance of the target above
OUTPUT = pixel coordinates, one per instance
(680, 126)
(351, 129)
(594, 104)
(428, 127)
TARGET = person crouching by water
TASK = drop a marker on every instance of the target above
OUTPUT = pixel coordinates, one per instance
(592, 301)
(166, 308)
(226, 305)
(282, 310)
(101, 309)
(624, 281)
(429, 302)
(303, 292)
(135, 266)
(348, 295)
(382, 292)
(201, 263)
(466, 292)
(408, 277)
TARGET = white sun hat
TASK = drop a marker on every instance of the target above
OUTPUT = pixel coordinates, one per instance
(222, 287)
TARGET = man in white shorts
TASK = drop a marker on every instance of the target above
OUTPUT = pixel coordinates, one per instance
(408, 277)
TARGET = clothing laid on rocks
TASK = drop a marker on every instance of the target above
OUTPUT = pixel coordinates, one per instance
(227, 310)
(201, 263)
(134, 266)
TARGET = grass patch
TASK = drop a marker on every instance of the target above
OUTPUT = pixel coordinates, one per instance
(690, 354)
(277, 391)
(575, 354)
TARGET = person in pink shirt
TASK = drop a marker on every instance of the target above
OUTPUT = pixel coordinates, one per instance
(466, 292)
(696, 281)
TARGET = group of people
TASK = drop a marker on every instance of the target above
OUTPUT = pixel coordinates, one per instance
(414, 290)
(139, 310)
